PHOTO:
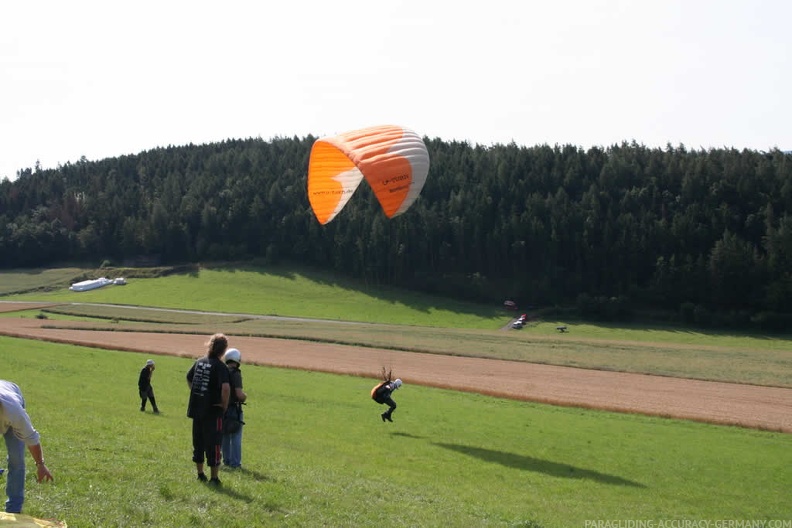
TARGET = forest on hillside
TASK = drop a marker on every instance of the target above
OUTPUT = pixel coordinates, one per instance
(705, 235)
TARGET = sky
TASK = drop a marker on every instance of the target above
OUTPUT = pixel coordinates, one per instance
(104, 79)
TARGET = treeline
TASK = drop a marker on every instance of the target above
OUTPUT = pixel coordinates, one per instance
(705, 235)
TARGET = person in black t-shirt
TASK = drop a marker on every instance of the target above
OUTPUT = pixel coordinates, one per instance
(209, 394)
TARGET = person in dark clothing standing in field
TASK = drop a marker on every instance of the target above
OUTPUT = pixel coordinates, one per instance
(209, 394)
(144, 387)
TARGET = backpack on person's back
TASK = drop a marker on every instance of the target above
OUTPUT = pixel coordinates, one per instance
(380, 391)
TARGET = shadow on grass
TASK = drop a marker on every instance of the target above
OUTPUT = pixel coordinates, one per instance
(225, 490)
(527, 463)
(255, 474)
(407, 435)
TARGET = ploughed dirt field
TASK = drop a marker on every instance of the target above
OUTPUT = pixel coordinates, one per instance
(721, 403)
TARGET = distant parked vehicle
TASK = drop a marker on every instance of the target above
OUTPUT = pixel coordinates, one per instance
(91, 284)
(517, 325)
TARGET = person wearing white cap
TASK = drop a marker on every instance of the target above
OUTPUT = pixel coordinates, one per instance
(233, 419)
(145, 389)
(382, 395)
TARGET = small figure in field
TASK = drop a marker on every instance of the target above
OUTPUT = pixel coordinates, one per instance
(381, 393)
(145, 389)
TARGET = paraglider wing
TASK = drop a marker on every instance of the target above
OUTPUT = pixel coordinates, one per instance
(332, 179)
(393, 160)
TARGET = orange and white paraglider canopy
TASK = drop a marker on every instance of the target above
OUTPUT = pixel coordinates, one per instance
(393, 160)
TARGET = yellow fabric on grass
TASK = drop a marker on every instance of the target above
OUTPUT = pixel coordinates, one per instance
(26, 521)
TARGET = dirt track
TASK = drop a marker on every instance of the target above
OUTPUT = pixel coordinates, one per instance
(723, 403)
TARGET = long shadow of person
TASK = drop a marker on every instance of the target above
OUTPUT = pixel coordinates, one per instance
(406, 435)
(528, 463)
(255, 474)
(229, 492)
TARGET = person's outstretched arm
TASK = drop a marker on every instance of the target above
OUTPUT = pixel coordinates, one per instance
(42, 473)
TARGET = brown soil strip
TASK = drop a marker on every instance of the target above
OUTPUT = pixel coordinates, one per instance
(751, 406)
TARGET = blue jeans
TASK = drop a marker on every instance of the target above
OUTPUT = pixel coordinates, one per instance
(15, 476)
(232, 447)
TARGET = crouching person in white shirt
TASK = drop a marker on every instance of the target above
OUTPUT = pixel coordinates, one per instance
(18, 432)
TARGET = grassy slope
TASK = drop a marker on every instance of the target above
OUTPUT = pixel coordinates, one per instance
(317, 455)
(24, 280)
(280, 292)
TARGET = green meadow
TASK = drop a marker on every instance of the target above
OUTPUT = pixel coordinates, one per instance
(271, 291)
(315, 450)
(316, 453)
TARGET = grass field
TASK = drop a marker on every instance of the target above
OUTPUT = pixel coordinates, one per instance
(277, 291)
(317, 454)
(16, 281)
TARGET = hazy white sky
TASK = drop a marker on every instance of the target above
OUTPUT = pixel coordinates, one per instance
(103, 79)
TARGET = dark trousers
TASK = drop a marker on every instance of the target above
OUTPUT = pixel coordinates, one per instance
(391, 405)
(148, 394)
(207, 437)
